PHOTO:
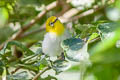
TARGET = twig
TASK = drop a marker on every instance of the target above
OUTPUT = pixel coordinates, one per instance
(96, 39)
(65, 7)
(34, 31)
(16, 70)
(40, 73)
(86, 13)
(32, 22)
(70, 13)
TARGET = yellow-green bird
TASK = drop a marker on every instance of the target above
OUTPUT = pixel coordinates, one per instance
(56, 33)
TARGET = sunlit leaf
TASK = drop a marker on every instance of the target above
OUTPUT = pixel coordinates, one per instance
(93, 36)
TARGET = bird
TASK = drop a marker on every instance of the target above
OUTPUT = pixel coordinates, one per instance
(55, 34)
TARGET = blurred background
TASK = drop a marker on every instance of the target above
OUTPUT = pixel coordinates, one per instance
(24, 21)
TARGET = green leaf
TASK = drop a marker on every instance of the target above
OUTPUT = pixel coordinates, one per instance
(73, 44)
(84, 30)
(36, 49)
(1, 67)
(93, 36)
(18, 44)
(19, 76)
(42, 62)
(1, 63)
(76, 49)
(29, 67)
(60, 66)
(4, 74)
(107, 29)
(49, 77)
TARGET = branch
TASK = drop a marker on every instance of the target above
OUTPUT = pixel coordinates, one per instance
(65, 7)
(34, 31)
(86, 13)
(71, 13)
(16, 70)
(32, 22)
(96, 39)
(40, 73)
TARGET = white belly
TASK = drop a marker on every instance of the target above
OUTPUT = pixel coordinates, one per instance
(51, 43)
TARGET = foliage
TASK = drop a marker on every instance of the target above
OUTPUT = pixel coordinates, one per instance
(94, 45)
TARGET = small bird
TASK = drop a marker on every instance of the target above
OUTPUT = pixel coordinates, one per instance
(56, 33)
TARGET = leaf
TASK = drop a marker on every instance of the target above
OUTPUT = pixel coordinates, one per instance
(73, 44)
(76, 49)
(60, 66)
(18, 44)
(1, 70)
(84, 30)
(74, 68)
(19, 76)
(42, 62)
(29, 67)
(35, 62)
(36, 50)
(107, 29)
(1, 63)
(93, 36)
(48, 78)
(4, 74)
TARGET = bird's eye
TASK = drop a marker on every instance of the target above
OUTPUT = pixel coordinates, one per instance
(51, 24)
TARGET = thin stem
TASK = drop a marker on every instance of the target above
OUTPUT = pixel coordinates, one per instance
(16, 70)
(40, 73)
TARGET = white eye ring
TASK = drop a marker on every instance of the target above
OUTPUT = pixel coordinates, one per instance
(51, 24)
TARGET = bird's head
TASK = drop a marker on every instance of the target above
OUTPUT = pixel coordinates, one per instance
(54, 25)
